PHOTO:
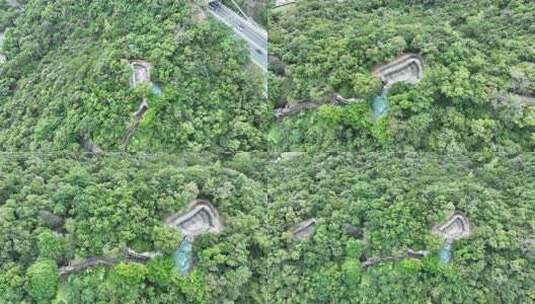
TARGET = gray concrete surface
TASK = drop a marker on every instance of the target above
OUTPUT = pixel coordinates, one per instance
(202, 218)
(248, 30)
(407, 68)
(304, 229)
(454, 228)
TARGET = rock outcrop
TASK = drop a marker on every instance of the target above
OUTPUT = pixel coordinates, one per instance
(50, 219)
(355, 232)
(528, 246)
(283, 2)
(89, 146)
(304, 229)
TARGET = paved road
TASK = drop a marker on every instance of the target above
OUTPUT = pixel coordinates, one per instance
(254, 35)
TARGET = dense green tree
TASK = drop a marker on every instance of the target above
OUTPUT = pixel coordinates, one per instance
(460, 105)
(125, 283)
(42, 281)
(76, 58)
(165, 239)
(11, 283)
(50, 244)
(366, 206)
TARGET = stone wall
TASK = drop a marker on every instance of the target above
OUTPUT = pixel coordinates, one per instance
(407, 68)
(454, 228)
(201, 218)
(304, 229)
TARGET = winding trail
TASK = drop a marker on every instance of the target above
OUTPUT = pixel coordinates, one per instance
(411, 254)
(128, 256)
(294, 109)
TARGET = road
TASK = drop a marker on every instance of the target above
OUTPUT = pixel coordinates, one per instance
(254, 35)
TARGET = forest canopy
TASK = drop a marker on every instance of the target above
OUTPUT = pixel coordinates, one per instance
(66, 78)
(59, 209)
(477, 54)
(174, 203)
(64, 86)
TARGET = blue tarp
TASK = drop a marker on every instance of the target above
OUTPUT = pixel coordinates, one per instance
(183, 256)
(445, 253)
(155, 89)
(380, 105)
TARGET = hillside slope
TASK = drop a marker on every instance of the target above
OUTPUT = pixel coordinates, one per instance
(66, 78)
(366, 231)
(476, 54)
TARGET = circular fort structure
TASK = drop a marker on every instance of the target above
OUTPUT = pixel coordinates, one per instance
(202, 217)
(407, 68)
(141, 72)
(454, 228)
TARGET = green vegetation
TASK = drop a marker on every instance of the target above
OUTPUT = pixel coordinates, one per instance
(475, 53)
(66, 78)
(42, 280)
(107, 203)
(284, 227)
